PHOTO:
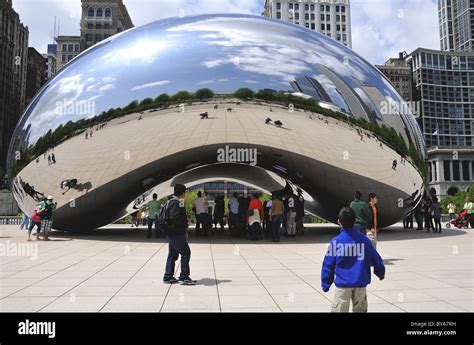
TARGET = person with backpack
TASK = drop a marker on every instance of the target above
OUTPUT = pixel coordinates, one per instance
(47, 208)
(174, 220)
(436, 212)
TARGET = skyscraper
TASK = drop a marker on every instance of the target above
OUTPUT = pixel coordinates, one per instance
(456, 25)
(102, 19)
(331, 18)
(399, 73)
(36, 73)
(13, 65)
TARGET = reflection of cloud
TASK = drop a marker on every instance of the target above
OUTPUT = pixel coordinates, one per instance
(208, 82)
(251, 82)
(155, 84)
(107, 87)
(144, 50)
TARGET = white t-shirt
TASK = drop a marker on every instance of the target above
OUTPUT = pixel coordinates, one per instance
(201, 205)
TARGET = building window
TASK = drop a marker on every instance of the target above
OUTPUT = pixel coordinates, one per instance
(278, 15)
(63, 58)
(312, 7)
(98, 26)
(106, 26)
(90, 12)
(278, 6)
(343, 9)
(297, 7)
(312, 16)
(306, 16)
(322, 8)
(328, 17)
(307, 25)
(98, 37)
(100, 12)
(76, 47)
(313, 27)
(89, 25)
(322, 17)
(328, 27)
(297, 16)
(343, 19)
(338, 18)
(70, 47)
(343, 28)
(447, 171)
(306, 7)
(88, 37)
(338, 37)
(338, 27)
(337, 9)
(108, 12)
(290, 6)
(328, 8)
(323, 27)
(69, 58)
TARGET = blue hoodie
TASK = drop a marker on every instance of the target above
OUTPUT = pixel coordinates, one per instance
(350, 256)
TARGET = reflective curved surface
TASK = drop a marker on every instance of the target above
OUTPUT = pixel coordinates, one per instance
(175, 98)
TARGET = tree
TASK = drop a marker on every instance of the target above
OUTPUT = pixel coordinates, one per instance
(146, 101)
(181, 96)
(267, 95)
(244, 93)
(203, 94)
(162, 99)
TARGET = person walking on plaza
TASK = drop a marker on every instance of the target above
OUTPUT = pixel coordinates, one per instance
(362, 211)
(267, 222)
(35, 221)
(469, 207)
(291, 216)
(436, 210)
(47, 208)
(372, 225)
(201, 207)
(153, 207)
(25, 220)
(350, 269)
(428, 211)
(276, 213)
(408, 221)
(175, 213)
(452, 210)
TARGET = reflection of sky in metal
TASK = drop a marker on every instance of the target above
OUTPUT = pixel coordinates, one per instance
(220, 52)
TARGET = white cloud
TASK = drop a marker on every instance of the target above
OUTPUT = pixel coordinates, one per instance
(106, 87)
(149, 85)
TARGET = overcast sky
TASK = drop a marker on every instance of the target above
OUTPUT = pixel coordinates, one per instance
(380, 28)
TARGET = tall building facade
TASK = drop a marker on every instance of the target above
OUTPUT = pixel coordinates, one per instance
(68, 47)
(50, 57)
(13, 66)
(400, 75)
(102, 19)
(444, 87)
(36, 73)
(456, 25)
(329, 17)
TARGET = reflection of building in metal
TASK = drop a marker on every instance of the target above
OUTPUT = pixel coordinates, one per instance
(36, 73)
(13, 65)
(102, 19)
(331, 18)
(68, 47)
(399, 73)
(443, 82)
(148, 135)
(225, 188)
(456, 25)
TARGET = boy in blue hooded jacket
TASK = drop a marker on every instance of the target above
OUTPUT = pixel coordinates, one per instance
(349, 257)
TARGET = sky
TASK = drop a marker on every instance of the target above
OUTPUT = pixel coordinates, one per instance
(380, 28)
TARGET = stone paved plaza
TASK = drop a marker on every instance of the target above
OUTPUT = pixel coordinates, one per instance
(116, 269)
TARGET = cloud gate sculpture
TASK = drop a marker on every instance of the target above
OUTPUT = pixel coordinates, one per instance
(184, 100)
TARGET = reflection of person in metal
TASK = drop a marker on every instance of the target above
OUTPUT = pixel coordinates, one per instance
(53, 158)
(49, 159)
(30, 190)
(394, 164)
(68, 184)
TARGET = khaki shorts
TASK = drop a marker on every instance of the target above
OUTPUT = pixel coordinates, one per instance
(343, 297)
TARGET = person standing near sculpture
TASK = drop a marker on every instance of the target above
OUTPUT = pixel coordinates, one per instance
(47, 208)
(362, 211)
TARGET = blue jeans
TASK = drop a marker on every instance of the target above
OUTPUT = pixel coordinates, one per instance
(276, 224)
(361, 227)
(177, 245)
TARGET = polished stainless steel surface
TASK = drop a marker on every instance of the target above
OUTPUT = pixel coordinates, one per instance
(142, 95)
